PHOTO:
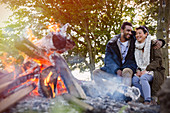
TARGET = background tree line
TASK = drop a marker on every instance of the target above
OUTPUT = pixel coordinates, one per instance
(92, 24)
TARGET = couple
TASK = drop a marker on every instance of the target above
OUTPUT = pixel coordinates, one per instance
(127, 54)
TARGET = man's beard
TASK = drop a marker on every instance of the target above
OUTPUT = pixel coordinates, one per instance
(126, 38)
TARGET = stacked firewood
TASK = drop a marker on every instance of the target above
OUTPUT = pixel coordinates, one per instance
(12, 88)
(12, 91)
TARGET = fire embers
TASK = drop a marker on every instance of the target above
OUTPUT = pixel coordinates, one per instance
(51, 83)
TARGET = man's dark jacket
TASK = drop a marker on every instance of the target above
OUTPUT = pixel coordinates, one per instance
(113, 60)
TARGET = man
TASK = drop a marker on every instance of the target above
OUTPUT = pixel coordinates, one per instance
(119, 57)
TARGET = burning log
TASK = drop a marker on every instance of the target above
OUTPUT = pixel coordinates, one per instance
(56, 40)
(61, 66)
(15, 95)
(4, 88)
(31, 50)
(14, 86)
(52, 42)
(71, 85)
(4, 78)
(28, 67)
(2, 73)
(46, 89)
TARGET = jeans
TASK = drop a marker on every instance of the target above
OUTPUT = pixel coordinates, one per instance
(143, 84)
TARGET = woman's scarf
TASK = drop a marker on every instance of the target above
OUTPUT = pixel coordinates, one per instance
(143, 58)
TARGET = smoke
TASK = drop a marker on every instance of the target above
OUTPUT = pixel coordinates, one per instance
(112, 88)
(75, 59)
(103, 87)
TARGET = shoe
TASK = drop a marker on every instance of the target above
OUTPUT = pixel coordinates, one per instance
(147, 103)
(152, 102)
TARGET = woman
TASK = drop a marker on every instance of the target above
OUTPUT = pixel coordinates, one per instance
(149, 62)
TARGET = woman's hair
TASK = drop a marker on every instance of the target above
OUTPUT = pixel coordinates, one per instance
(144, 28)
(138, 68)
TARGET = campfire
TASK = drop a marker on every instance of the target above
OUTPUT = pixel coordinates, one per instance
(44, 71)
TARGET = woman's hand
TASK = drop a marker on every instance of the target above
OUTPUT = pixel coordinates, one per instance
(138, 73)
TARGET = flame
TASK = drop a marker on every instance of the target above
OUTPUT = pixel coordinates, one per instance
(35, 91)
(47, 82)
(8, 62)
(61, 88)
(31, 36)
(53, 89)
(9, 65)
(42, 61)
(47, 79)
(54, 27)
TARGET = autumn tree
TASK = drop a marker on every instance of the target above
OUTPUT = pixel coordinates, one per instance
(92, 24)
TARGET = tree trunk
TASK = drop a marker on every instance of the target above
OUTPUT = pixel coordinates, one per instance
(163, 25)
(91, 55)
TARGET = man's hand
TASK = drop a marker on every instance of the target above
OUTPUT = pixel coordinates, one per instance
(143, 72)
(157, 44)
(119, 72)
